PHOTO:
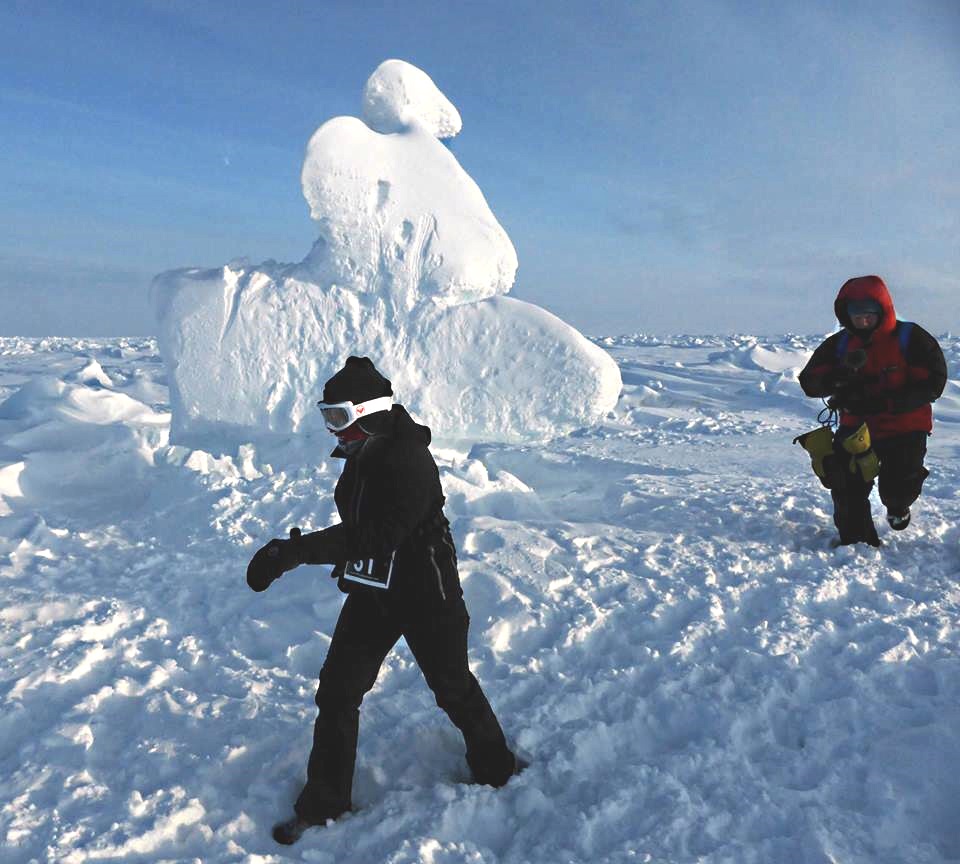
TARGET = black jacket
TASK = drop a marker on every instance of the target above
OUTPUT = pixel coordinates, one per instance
(390, 503)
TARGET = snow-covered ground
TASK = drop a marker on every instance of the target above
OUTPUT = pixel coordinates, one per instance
(657, 618)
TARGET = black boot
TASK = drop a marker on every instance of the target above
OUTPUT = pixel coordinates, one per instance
(519, 764)
(290, 831)
(898, 521)
(859, 529)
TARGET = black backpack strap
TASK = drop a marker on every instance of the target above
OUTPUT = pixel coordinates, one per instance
(842, 344)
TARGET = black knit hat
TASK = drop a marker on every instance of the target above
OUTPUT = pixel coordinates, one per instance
(356, 382)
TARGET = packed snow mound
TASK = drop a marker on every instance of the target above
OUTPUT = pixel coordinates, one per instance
(72, 442)
(529, 372)
(46, 400)
(498, 370)
(400, 219)
(407, 270)
(398, 94)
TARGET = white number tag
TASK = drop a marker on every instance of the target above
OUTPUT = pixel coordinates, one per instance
(370, 571)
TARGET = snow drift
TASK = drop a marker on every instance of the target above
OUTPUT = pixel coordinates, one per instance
(657, 617)
(407, 269)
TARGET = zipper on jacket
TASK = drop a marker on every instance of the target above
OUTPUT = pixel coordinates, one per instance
(448, 540)
(359, 498)
(436, 569)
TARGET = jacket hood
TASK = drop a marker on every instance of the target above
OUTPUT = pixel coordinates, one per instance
(401, 425)
(866, 288)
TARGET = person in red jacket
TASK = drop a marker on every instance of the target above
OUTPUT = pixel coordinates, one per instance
(884, 373)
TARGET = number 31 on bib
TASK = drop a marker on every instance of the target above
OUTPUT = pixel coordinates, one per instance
(375, 572)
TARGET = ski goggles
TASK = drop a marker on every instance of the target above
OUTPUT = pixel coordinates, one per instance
(863, 307)
(339, 415)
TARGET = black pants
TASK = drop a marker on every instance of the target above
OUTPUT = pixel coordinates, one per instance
(901, 479)
(366, 631)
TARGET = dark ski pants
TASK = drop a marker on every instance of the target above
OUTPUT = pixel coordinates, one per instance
(366, 631)
(900, 480)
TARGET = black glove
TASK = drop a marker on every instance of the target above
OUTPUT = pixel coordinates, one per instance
(863, 405)
(273, 560)
(839, 379)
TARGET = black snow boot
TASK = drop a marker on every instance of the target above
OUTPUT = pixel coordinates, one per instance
(290, 831)
(519, 764)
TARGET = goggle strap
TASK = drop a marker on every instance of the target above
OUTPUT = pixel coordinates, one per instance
(373, 406)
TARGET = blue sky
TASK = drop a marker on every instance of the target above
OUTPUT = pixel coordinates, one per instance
(661, 167)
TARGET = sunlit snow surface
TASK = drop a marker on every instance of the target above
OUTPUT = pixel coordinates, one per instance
(656, 616)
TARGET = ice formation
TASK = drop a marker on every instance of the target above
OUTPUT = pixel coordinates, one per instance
(407, 269)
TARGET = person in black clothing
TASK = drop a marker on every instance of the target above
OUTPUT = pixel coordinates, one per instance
(884, 374)
(395, 558)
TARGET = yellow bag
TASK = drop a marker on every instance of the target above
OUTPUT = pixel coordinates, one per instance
(858, 442)
(862, 457)
(819, 444)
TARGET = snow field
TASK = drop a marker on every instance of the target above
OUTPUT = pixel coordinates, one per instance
(657, 618)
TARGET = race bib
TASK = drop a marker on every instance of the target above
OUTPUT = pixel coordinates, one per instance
(371, 571)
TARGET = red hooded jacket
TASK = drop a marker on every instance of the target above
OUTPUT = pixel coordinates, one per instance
(907, 380)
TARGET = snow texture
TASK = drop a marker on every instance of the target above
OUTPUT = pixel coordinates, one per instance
(656, 616)
(398, 95)
(408, 269)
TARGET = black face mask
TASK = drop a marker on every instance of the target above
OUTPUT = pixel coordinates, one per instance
(375, 424)
(351, 448)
